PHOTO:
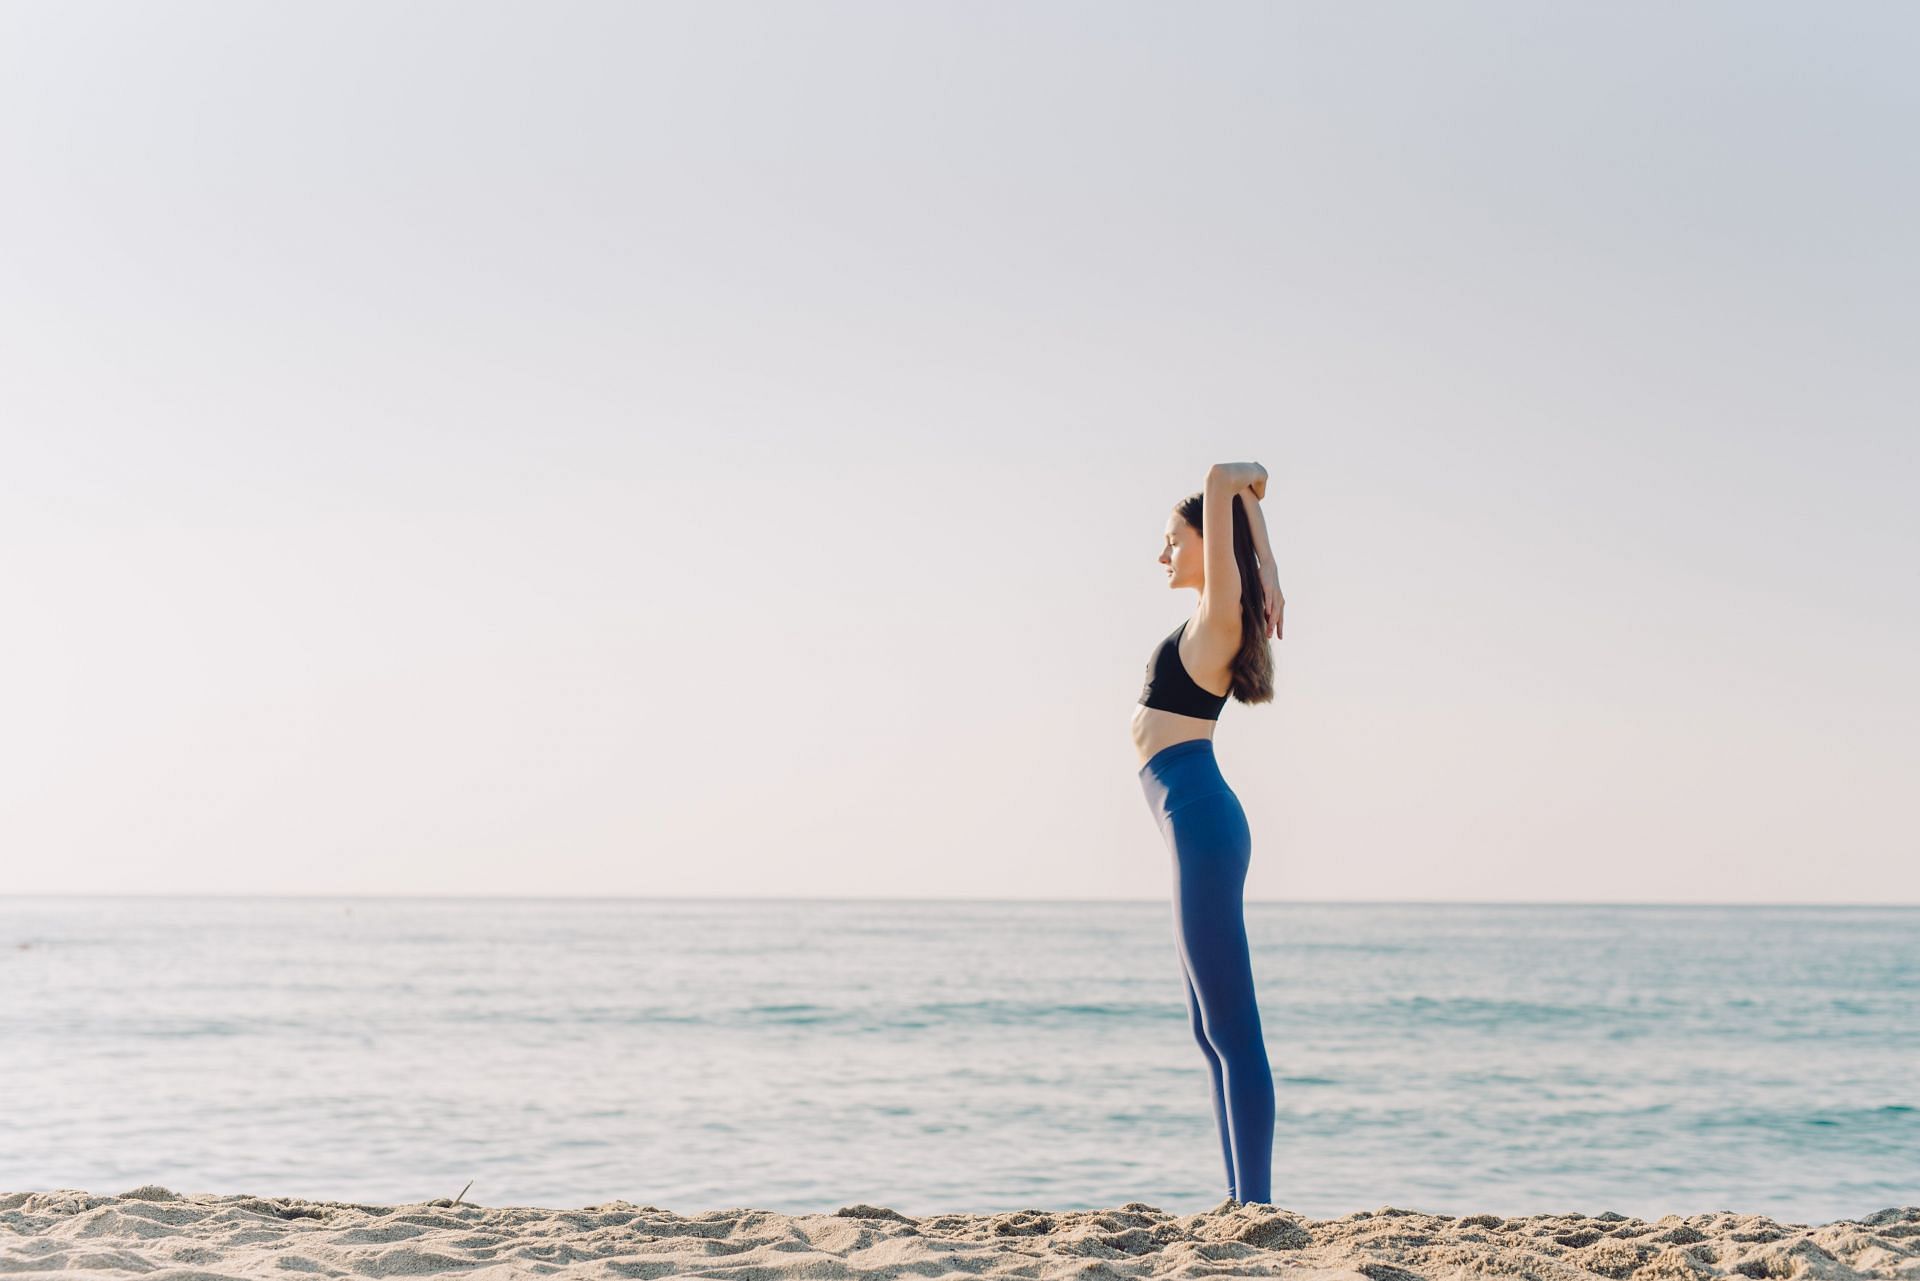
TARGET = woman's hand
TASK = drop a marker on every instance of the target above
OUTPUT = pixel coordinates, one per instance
(1250, 475)
(1276, 603)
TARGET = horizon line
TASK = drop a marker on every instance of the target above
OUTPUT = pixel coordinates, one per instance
(787, 898)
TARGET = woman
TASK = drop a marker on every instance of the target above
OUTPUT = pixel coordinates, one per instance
(1216, 543)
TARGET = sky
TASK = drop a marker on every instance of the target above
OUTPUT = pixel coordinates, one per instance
(713, 449)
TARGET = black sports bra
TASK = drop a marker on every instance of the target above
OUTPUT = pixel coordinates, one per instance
(1171, 689)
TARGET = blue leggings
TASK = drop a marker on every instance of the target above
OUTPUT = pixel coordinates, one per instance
(1206, 832)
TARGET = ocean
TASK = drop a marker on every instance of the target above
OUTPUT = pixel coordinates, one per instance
(802, 1055)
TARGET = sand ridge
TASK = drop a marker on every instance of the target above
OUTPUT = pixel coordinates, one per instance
(160, 1235)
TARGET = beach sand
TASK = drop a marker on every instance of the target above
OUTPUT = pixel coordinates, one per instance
(160, 1235)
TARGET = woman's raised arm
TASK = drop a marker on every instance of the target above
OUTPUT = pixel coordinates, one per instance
(1269, 576)
(1220, 593)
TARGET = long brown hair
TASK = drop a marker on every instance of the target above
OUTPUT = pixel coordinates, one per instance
(1252, 666)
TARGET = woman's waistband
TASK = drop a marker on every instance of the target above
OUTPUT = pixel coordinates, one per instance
(1177, 776)
(1161, 760)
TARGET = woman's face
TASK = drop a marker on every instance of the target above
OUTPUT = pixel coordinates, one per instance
(1181, 555)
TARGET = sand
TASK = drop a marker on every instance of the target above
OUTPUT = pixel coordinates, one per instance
(153, 1233)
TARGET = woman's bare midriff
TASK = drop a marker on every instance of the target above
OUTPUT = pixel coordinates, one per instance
(1155, 728)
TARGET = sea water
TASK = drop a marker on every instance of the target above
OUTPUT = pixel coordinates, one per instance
(800, 1056)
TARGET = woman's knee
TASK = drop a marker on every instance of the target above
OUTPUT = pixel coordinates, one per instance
(1238, 1039)
(1200, 1037)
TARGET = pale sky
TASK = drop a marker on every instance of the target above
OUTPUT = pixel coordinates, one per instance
(715, 448)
